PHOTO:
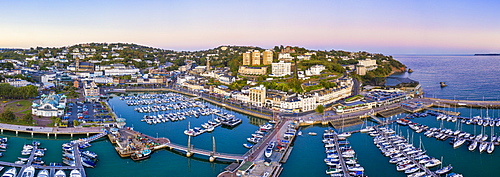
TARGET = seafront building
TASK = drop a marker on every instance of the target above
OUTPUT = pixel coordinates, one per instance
(49, 105)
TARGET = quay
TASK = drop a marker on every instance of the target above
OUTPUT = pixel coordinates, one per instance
(341, 159)
(255, 164)
(49, 130)
(126, 148)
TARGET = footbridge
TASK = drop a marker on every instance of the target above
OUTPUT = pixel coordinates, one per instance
(190, 151)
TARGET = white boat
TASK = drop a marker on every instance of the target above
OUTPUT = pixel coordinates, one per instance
(473, 146)
(417, 174)
(444, 170)
(411, 170)
(246, 145)
(344, 135)
(60, 173)
(28, 172)
(458, 143)
(268, 152)
(312, 133)
(75, 173)
(491, 148)
(483, 146)
(12, 172)
(43, 173)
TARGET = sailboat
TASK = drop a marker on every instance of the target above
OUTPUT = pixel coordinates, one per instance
(473, 145)
(491, 145)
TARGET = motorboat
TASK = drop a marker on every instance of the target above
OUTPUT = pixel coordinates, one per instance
(268, 152)
(12, 172)
(75, 173)
(60, 173)
(28, 172)
(248, 145)
(43, 173)
(90, 154)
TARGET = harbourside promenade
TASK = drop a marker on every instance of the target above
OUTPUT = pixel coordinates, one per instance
(50, 130)
(316, 118)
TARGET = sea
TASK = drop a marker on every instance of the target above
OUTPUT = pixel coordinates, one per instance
(467, 77)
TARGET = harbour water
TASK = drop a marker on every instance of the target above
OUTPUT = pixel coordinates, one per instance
(464, 82)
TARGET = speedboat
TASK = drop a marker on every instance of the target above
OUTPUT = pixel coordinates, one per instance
(28, 172)
(12, 172)
(60, 173)
(75, 173)
(43, 173)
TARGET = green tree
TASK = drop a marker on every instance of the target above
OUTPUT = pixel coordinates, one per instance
(320, 108)
(76, 123)
(8, 115)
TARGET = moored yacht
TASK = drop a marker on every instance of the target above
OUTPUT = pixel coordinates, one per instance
(43, 173)
(60, 173)
(10, 173)
(75, 173)
(28, 172)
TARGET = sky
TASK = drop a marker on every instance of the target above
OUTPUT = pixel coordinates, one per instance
(382, 26)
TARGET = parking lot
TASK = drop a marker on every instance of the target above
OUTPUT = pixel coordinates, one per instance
(86, 112)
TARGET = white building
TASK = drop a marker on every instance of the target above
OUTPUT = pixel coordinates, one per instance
(226, 79)
(281, 69)
(300, 103)
(257, 95)
(48, 106)
(18, 82)
(365, 66)
(90, 90)
(285, 56)
(103, 80)
(315, 70)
